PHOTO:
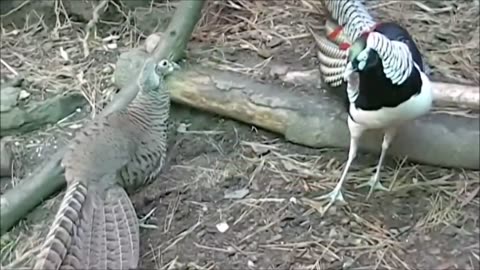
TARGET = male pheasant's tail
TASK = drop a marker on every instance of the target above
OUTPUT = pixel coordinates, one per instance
(92, 231)
(332, 60)
(347, 20)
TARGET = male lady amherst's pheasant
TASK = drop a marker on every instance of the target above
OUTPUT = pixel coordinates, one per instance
(386, 83)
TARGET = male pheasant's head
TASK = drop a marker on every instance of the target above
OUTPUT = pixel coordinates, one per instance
(360, 56)
(153, 74)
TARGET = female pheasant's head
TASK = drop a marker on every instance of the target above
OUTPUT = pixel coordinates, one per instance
(153, 73)
(360, 56)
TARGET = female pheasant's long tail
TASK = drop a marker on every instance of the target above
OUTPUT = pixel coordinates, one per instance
(92, 231)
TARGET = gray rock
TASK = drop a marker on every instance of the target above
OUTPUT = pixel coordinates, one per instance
(8, 98)
(128, 65)
(6, 159)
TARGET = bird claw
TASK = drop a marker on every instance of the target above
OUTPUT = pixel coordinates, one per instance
(374, 184)
(333, 196)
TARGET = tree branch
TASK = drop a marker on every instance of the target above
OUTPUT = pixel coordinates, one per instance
(172, 45)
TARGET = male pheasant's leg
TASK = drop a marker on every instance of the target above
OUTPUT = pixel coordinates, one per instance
(336, 194)
(374, 181)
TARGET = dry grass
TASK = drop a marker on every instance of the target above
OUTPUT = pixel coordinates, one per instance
(283, 180)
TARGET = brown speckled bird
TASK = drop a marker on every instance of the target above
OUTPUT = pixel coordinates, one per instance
(96, 225)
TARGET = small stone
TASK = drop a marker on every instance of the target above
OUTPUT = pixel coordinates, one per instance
(23, 95)
(152, 41)
(250, 264)
(236, 194)
(344, 220)
(75, 126)
(6, 159)
(182, 127)
(435, 251)
(357, 241)
(394, 231)
(265, 53)
(201, 233)
(333, 233)
(8, 98)
(222, 227)
(278, 70)
(348, 262)
(107, 70)
(112, 46)
(231, 249)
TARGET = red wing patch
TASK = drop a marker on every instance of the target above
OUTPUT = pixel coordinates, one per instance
(335, 33)
(344, 46)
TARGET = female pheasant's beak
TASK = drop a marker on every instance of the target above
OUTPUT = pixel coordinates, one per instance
(349, 70)
(175, 66)
(172, 67)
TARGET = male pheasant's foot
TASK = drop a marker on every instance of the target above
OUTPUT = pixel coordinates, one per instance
(374, 184)
(334, 196)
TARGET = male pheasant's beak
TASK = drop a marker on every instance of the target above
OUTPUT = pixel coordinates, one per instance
(349, 70)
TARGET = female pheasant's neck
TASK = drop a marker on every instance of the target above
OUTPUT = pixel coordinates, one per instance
(147, 105)
(151, 98)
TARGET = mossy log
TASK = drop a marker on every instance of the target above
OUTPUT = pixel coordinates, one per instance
(36, 115)
(445, 94)
(438, 139)
(48, 178)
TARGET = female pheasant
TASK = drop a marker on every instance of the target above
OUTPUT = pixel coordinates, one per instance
(386, 83)
(96, 225)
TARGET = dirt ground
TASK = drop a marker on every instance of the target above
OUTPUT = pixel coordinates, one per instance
(236, 197)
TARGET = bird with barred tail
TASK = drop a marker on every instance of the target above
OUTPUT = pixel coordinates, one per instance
(385, 80)
(96, 226)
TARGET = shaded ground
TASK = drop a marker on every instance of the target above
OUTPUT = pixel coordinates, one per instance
(429, 220)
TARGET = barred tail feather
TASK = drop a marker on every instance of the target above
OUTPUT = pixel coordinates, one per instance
(352, 15)
(332, 60)
(122, 231)
(97, 231)
(111, 239)
(64, 227)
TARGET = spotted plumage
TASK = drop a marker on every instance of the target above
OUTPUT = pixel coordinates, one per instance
(383, 71)
(96, 225)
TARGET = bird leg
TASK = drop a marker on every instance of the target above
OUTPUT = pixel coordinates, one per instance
(336, 194)
(374, 181)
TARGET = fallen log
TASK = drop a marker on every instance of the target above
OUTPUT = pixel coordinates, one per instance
(320, 121)
(18, 201)
(36, 115)
(445, 94)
